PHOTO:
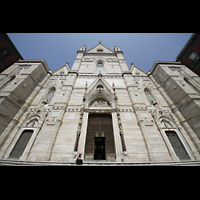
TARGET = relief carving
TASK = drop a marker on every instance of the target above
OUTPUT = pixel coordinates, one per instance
(100, 103)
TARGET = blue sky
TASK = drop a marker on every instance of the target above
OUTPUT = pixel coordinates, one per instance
(143, 49)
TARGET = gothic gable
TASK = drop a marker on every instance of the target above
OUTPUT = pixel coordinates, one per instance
(100, 48)
(100, 85)
(62, 70)
(137, 71)
(100, 93)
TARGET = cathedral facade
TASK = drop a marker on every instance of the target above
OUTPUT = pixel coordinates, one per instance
(99, 109)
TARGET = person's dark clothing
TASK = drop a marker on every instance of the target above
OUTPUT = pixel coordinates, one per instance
(79, 161)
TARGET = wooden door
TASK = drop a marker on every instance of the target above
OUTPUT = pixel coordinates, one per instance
(100, 125)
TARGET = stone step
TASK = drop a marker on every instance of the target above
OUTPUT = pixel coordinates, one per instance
(9, 162)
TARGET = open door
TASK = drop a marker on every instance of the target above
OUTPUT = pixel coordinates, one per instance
(99, 148)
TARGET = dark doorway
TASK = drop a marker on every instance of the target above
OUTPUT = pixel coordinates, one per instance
(21, 144)
(99, 148)
(177, 145)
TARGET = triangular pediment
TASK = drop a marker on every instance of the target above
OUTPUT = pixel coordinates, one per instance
(100, 48)
(62, 70)
(137, 71)
(100, 82)
(100, 94)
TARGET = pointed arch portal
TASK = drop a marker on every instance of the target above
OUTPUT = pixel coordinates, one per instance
(100, 139)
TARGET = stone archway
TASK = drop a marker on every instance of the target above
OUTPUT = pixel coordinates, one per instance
(100, 100)
(100, 138)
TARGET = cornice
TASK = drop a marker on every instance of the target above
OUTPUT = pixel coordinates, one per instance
(160, 63)
(35, 61)
(99, 54)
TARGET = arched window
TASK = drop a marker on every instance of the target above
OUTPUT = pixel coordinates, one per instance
(177, 145)
(6, 81)
(32, 123)
(193, 84)
(49, 96)
(21, 144)
(150, 97)
(100, 67)
(166, 124)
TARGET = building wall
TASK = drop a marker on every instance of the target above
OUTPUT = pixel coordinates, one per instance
(60, 120)
(175, 79)
(17, 83)
(8, 52)
(190, 54)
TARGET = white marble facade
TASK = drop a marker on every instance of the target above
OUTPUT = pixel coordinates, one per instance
(145, 108)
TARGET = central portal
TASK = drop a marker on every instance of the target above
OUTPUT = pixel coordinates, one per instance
(99, 143)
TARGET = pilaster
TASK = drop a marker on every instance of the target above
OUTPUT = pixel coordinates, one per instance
(78, 60)
(118, 145)
(122, 61)
(82, 138)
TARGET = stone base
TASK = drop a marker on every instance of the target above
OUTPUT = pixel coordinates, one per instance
(10, 162)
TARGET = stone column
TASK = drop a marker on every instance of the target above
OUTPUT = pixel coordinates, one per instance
(82, 138)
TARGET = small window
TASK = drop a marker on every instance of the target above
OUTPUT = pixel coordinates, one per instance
(194, 56)
(49, 96)
(150, 97)
(4, 53)
(100, 67)
(99, 50)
